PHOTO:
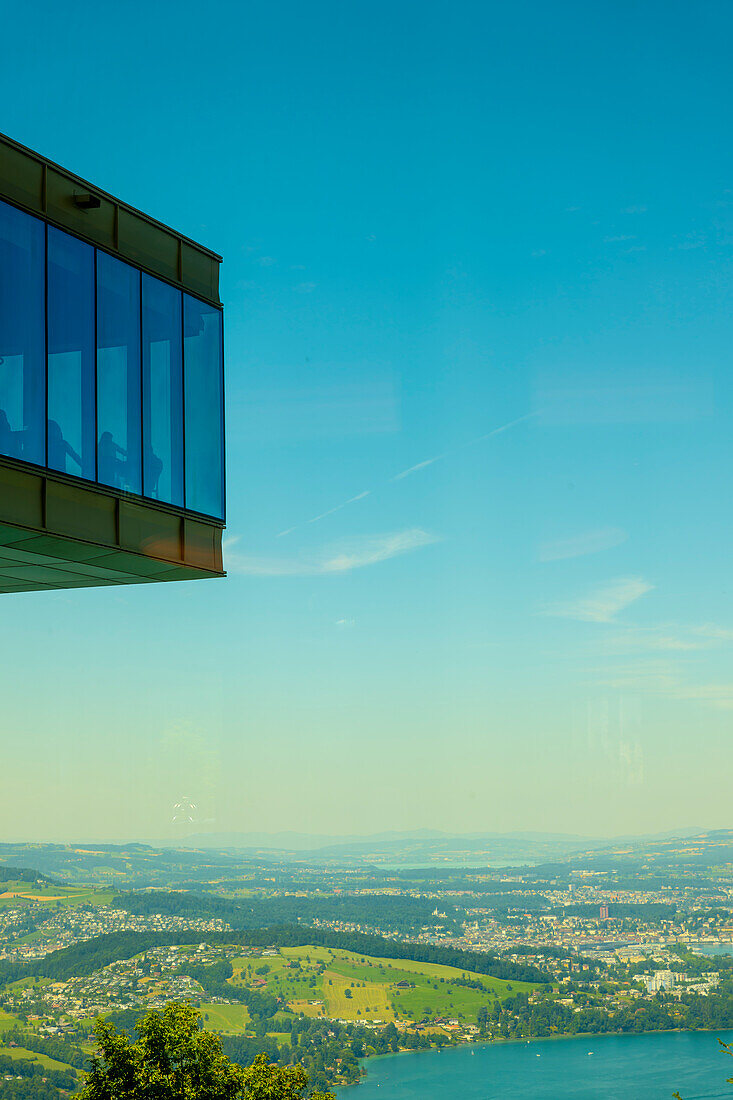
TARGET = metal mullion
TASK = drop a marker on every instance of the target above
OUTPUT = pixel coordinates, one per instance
(183, 397)
(222, 425)
(142, 381)
(45, 362)
(96, 379)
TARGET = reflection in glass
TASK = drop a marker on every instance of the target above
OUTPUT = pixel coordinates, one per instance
(70, 355)
(22, 365)
(162, 392)
(202, 356)
(119, 450)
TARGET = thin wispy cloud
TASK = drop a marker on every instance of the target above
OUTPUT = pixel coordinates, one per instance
(334, 559)
(653, 640)
(666, 681)
(604, 603)
(503, 428)
(589, 542)
(669, 638)
(415, 468)
(714, 632)
(716, 695)
(330, 512)
(469, 443)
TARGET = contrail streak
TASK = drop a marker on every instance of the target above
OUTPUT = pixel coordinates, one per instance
(414, 469)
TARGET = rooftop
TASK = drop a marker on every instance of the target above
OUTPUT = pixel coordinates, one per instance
(62, 198)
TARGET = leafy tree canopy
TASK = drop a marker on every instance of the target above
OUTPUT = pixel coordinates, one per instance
(175, 1059)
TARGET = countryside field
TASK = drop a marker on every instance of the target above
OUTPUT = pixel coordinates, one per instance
(229, 1019)
(14, 892)
(7, 1022)
(326, 983)
(321, 982)
(31, 1056)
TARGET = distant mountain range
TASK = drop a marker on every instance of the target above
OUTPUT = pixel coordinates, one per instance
(419, 846)
(303, 842)
(209, 858)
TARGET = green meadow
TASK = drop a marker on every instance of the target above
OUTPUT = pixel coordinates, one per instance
(7, 1022)
(229, 1019)
(31, 1056)
(289, 978)
(15, 893)
(28, 983)
(322, 982)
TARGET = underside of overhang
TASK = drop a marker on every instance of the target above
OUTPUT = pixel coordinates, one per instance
(58, 533)
(37, 562)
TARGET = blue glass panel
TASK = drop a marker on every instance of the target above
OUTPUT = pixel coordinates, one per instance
(162, 392)
(119, 429)
(22, 352)
(202, 364)
(71, 413)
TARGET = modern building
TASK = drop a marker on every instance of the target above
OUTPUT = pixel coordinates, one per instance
(111, 388)
(659, 981)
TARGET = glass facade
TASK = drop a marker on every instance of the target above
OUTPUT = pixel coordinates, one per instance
(126, 354)
(22, 340)
(162, 392)
(70, 433)
(204, 404)
(119, 425)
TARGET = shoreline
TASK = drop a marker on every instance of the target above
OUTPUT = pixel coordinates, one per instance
(524, 1041)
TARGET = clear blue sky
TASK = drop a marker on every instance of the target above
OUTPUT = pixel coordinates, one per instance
(437, 219)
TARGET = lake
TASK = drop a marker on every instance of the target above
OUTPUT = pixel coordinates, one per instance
(621, 1067)
(711, 949)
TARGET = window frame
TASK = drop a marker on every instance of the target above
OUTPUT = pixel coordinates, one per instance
(47, 223)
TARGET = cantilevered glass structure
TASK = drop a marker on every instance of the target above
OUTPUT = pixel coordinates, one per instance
(111, 389)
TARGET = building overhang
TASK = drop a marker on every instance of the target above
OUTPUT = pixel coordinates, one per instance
(58, 533)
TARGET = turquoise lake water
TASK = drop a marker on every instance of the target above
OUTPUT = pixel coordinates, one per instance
(621, 1067)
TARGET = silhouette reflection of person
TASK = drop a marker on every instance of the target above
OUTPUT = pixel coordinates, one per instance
(59, 448)
(10, 441)
(153, 470)
(111, 470)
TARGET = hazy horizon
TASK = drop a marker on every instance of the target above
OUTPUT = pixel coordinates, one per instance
(259, 838)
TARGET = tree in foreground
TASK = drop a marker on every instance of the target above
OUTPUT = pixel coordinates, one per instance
(175, 1059)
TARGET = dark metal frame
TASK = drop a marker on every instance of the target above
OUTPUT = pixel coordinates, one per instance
(45, 356)
(181, 291)
(96, 375)
(73, 186)
(60, 530)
